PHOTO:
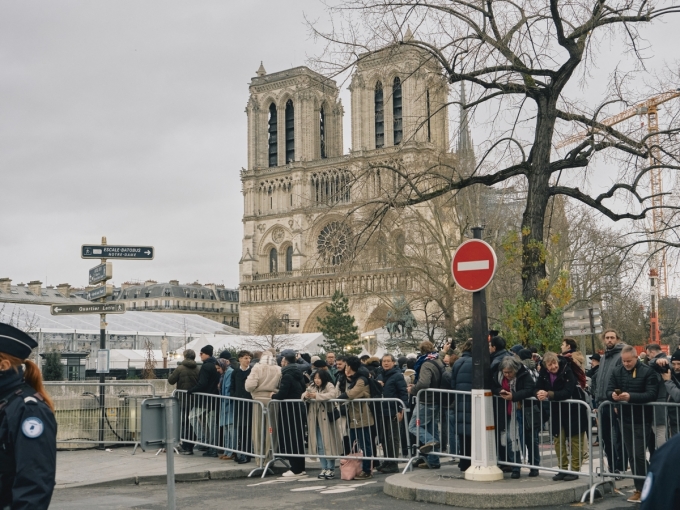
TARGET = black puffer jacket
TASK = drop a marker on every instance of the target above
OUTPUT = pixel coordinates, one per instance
(292, 384)
(642, 385)
(573, 418)
(461, 380)
(208, 378)
(394, 387)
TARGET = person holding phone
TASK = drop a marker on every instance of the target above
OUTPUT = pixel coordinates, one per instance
(513, 384)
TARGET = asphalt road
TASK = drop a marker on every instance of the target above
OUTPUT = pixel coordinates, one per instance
(310, 494)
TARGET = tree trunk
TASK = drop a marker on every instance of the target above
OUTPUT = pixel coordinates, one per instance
(533, 246)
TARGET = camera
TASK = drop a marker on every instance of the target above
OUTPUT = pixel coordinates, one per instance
(661, 369)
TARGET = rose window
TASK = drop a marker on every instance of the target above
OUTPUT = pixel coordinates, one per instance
(334, 243)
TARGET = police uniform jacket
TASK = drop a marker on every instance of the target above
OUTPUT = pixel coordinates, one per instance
(28, 448)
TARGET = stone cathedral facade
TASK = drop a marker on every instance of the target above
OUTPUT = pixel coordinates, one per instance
(299, 186)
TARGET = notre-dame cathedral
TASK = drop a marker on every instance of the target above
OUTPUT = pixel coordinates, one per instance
(299, 186)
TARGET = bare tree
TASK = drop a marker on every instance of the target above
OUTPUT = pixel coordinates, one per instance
(149, 371)
(271, 330)
(522, 60)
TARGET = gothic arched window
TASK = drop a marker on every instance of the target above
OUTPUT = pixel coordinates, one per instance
(396, 111)
(290, 132)
(429, 131)
(273, 261)
(273, 144)
(379, 116)
(289, 258)
(322, 132)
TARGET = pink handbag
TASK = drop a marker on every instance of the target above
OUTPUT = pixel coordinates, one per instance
(350, 468)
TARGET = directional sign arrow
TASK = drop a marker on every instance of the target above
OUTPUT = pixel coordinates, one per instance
(90, 251)
(86, 309)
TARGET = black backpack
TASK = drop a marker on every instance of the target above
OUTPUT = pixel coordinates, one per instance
(375, 387)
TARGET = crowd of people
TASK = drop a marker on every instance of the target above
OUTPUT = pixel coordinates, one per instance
(537, 395)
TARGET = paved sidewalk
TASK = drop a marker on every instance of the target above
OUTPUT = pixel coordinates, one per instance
(80, 468)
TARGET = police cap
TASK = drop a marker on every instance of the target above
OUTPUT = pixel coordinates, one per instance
(15, 342)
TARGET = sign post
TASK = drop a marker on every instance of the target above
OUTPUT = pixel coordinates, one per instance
(473, 267)
(101, 274)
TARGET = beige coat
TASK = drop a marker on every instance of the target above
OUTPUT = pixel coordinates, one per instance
(317, 416)
(358, 414)
(264, 378)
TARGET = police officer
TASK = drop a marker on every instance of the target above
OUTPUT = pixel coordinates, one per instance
(662, 485)
(28, 430)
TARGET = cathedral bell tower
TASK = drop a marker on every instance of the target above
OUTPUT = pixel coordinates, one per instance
(293, 115)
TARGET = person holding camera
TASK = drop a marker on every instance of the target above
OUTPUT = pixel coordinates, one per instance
(671, 381)
(658, 431)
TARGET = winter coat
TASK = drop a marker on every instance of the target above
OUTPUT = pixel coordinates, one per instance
(659, 411)
(292, 384)
(358, 414)
(238, 383)
(292, 416)
(264, 378)
(394, 387)
(208, 378)
(461, 380)
(226, 407)
(642, 385)
(430, 376)
(185, 376)
(317, 417)
(573, 418)
(609, 361)
(673, 388)
(524, 390)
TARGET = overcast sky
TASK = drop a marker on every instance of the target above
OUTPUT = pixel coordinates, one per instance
(126, 119)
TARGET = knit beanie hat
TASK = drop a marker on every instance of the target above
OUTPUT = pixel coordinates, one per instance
(208, 349)
(524, 354)
(225, 355)
(676, 356)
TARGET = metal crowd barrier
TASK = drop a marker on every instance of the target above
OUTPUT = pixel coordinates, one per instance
(630, 433)
(226, 425)
(82, 420)
(550, 436)
(334, 429)
(443, 417)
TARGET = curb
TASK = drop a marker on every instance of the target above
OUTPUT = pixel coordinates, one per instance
(484, 495)
(197, 476)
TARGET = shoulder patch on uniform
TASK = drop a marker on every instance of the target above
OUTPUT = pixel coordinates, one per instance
(31, 400)
(32, 427)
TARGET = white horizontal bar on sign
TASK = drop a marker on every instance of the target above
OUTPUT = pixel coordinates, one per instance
(474, 265)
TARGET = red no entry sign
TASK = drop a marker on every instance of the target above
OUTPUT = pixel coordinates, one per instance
(473, 265)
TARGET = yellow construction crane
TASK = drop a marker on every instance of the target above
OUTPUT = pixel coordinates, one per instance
(650, 109)
(658, 273)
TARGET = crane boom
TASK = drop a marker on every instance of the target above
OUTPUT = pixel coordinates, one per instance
(639, 109)
(658, 268)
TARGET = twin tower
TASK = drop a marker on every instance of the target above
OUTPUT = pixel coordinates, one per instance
(300, 182)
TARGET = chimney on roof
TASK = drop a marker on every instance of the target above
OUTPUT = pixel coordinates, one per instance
(126, 285)
(5, 284)
(64, 289)
(150, 282)
(35, 287)
(174, 282)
